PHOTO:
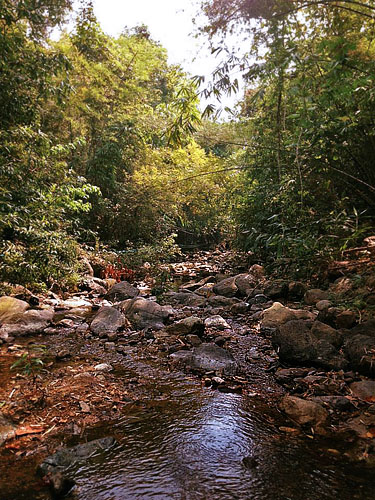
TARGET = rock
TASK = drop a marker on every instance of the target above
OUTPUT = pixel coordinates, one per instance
(194, 286)
(103, 367)
(210, 357)
(206, 290)
(323, 305)
(296, 290)
(193, 340)
(325, 332)
(10, 307)
(346, 319)
(245, 283)
(221, 301)
(22, 293)
(217, 322)
(360, 348)
(278, 314)
(144, 313)
(259, 299)
(305, 412)
(257, 272)
(108, 320)
(207, 358)
(183, 298)
(250, 462)
(60, 484)
(122, 291)
(287, 375)
(364, 390)
(321, 385)
(226, 287)
(277, 289)
(315, 295)
(239, 308)
(66, 457)
(339, 403)
(84, 407)
(296, 344)
(30, 322)
(191, 325)
(93, 285)
(7, 429)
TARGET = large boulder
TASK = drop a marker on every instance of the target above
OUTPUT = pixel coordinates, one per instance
(30, 322)
(360, 348)
(143, 313)
(278, 314)
(226, 287)
(305, 412)
(296, 344)
(191, 325)
(122, 291)
(11, 307)
(108, 320)
(207, 358)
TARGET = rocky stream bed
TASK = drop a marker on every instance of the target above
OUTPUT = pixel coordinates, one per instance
(229, 386)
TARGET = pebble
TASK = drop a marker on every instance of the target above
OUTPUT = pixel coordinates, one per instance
(103, 367)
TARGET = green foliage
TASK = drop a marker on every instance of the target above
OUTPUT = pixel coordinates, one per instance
(30, 363)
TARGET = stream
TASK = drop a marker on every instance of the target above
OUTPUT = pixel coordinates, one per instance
(188, 443)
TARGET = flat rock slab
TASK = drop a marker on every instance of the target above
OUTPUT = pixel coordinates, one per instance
(66, 457)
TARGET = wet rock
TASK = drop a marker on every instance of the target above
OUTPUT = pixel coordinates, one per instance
(278, 314)
(364, 389)
(122, 291)
(217, 322)
(185, 299)
(207, 358)
(346, 319)
(315, 295)
(11, 307)
(144, 313)
(325, 332)
(296, 344)
(108, 320)
(30, 322)
(66, 457)
(296, 290)
(305, 412)
(59, 483)
(191, 325)
(210, 357)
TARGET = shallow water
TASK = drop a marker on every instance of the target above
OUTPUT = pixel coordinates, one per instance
(191, 446)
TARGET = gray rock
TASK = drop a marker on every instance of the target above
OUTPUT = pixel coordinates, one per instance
(210, 357)
(221, 301)
(193, 340)
(103, 367)
(276, 289)
(144, 313)
(108, 320)
(191, 325)
(30, 322)
(239, 308)
(226, 287)
(66, 457)
(245, 283)
(122, 291)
